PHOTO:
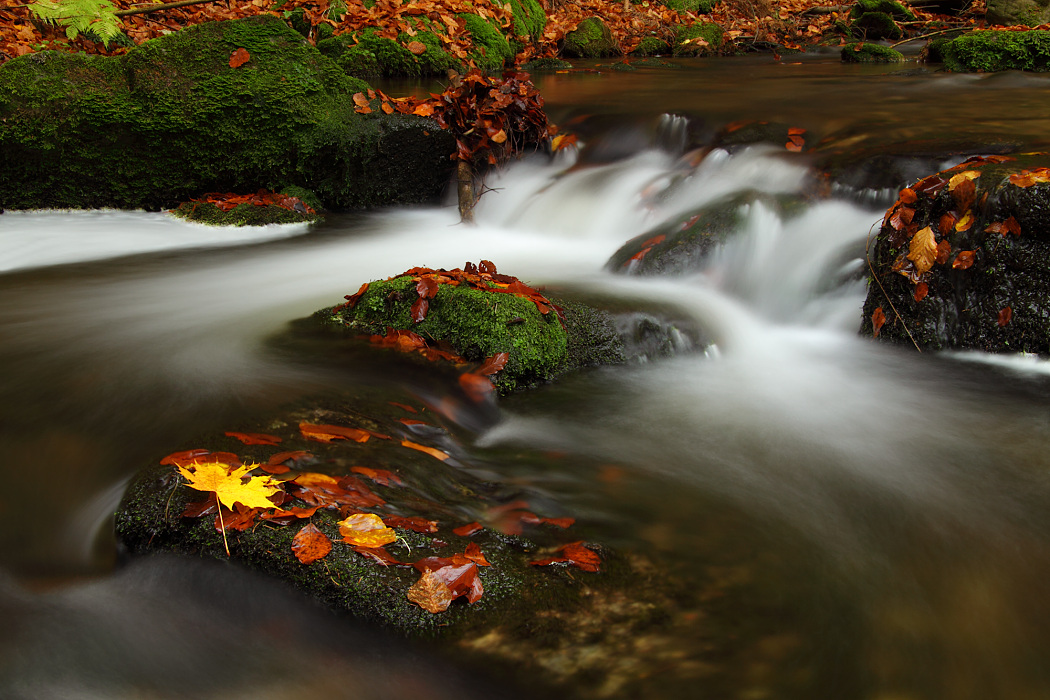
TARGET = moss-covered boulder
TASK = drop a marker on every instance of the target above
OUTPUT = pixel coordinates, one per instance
(172, 119)
(683, 245)
(865, 52)
(1011, 13)
(992, 51)
(592, 38)
(491, 51)
(697, 39)
(697, 7)
(962, 260)
(894, 9)
(368, 56)
(651, 46)
(876, 20)
(529, 19)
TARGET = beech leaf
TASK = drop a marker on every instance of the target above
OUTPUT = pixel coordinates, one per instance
(239, 58)
(366, 530)
(923, 250)
(430, 593)
(310, 544)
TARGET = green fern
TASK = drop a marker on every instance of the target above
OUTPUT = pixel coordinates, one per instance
(96, 18)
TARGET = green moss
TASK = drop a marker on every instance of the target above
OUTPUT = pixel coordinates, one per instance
(875, 26)
(241, 215)
(993, 51)
(686, 37)
(529, 19)
(870, 53)
(477, 324)
(651, 46)
(541, 64)
(591, 39)
(888, 7)
(697, 7)
(171, 119)
(491, 49)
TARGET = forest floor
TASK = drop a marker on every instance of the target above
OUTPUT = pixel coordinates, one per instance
(749, 25)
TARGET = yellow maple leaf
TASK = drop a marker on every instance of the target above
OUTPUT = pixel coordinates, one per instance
(923, 250)
(228, 484)
(366, 530)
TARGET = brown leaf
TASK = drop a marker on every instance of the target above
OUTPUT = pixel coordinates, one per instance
(921, 290)
(417, 47)
(576, 554)
(239, 58)
(415, 523)
(310, 544)
(255, 438)
(944, 251)
(1005, 314)
(430, 593)
(964, 260)
(382, 477)
(468, 529)
(328, 433)
(878, 319)
(923, 250)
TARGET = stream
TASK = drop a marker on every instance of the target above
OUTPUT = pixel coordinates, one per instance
(876, 521)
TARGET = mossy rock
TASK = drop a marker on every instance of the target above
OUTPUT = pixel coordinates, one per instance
(171, 119)
(241, 215)
(683, 245)
(993, 51)
(592, 38)
(697, 39)
(876, 26)
(870, 53)
(529, 19)
(651, 46)
(988, 287)
(1029, 13)
(697, 7)
(369, 56)
(892, 8)
(545, 64)
(491, 51)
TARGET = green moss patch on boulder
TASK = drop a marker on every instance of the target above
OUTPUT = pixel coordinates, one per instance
(491, 49)
(545, 64)
(529, 19)
(171, 119)
(865, 52)
(986, 223)
(592, 38)
(993, 51)
(698, 39)
(368, 56)
(651, 46)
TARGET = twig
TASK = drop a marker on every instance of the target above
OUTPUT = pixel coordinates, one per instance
(157, 8)
(867, 258)
(927, 36)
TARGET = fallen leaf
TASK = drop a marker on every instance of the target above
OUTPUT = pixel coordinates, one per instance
(965, 223)
(878, 319)
(430, 593)
(327, 491)
(433, 452)
(1005, 314)
(575, 554)
(366, 530)
(310, 544)
(417, 47)
(944, 251)
(255, 438)
(921, 290)
(468, 529)
(964, 260)
(328, 433)
(382, 477)
(239, 58)
(473, 552)
(414, 523)
(228, 486)
(923, 250)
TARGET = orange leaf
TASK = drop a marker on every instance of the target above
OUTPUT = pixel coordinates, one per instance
(474, 553)
(944, 251)
(1005, 314)
(424, 110)
(310, 544)
(430, 593)
(239, 58)
(380, 476)
(417, 47)
(921, 290)
(328, 433)
(433, 452)
(923, 250)
(366, 530)
(387, 108)
(576, 554)
(468, 529)
(878, 318)
(255, 438)
(415, 523)
(964, 260)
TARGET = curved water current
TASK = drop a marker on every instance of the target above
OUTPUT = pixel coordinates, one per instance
(881, 516)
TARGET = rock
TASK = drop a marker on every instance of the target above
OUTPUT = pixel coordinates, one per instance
(591, 39)
(545, 64)
(875, 20)
(870, 53)
(367, 55)
(697, 39)
(651, 46)
(524, 623)
(961, 260)
(992, 51)
(1011, 13)
(172, 119)
(491, 51)
(529, 19)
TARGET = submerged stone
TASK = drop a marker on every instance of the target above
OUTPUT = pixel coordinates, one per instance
(173, 119)
(961, 260)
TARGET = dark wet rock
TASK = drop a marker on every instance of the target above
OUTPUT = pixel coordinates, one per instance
(592, 38)
(523, 607)
(171, 120)
(1011, 13)
(743, 134)
(545, 64)
(683, 245)
(991, 51)
(870, 53)
(987, 286)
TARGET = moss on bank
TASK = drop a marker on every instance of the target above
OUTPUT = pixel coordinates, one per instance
(171, 119)
(870, 53)
(992, 51)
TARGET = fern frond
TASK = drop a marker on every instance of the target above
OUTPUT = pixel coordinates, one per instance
(96, 17)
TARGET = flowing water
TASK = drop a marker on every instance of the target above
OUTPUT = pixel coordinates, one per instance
(878, 519)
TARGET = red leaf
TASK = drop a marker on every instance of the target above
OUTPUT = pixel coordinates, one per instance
(328, 433)
(964, 260)
(576, 554)
(921, 290)
(1005, 315)
(184, 458)
(310, 544)
(476, 386)
(380, 476)
(468, 529)
(415, 523)
(352, 299)
(878, 318)
(487, 267)
(493, 364)
(426, 287)
(419, 310)
(239, 58)
(255, 438)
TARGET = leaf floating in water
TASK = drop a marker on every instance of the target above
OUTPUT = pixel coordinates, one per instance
(432, 451)
(328, 433)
